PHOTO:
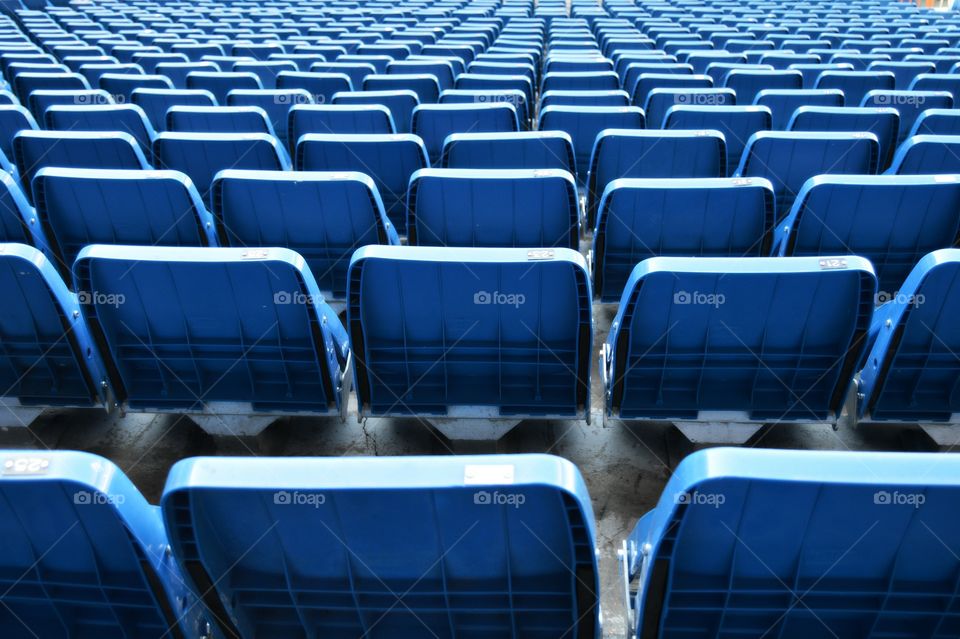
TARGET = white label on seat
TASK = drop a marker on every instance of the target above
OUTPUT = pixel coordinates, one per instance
(256, 254)
(833, 263)
(26, 466)
(488, 474)
(540, 254)
(944, 178)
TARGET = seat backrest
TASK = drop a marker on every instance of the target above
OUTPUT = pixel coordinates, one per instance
(938, 82)
(275, 103)
(486, 82)
(210, 325)
(748, 83)
(126, 118)
(389, 159)
(39, 101)
(220, 83)
(356, 71)
(642, 218)
(177, 72)
(736, 123)
(856, 84)
(883, 122)
(434, 122)
(322, 216)
(202, 155)
(789, 159)
(613, 97)
(909, 104)
(218, 119)
(493, 208)
(647, 82)
(481, 307)
(94, 527)
(425, 86)
(936, 122)
(338, 119)
(811, 72)
(584, 124)
(13, 118)
(26, 83)
(659, 101)
(78, 207)
(391, 527)
(121, 85)
(320, 86)
(704, 335)
(868, 517)
(268, 71)
(156, 102)
(525, 150)
(400, 103)
(783, 102)
(927, 154)
(474, 96)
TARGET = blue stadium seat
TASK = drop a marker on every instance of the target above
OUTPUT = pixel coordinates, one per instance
(218, 119)
(938, 82)
(493, 208)
(481, 309)
(659, 101)
(389, 159)
(623, 153)
(18, 222)
(748, 83)
(156, 102)
(13, 118)
(268, 71)
(220, 83)
(78, 207)
(911, 371)
(580, 81)
(811, 72)
(320, 86)
(275, 103)
(127, 118)
(643, 218)
(121, 85)
(93, 72)
(782, 103)
(476, 96)
(425, 86)
(524, 150)
(936, 122)
(26, 83)
(856, 84)
(927, 154)
(442, 70)
(356, 71)
(39, 101)
(202, 155)
(416, 525)
(739, 535)
(789, 159)
(400, 103)
(616, 97)
(904, 72)
(486, 82)
(730, 342)
(647, 82)
(584, 124)
(434, 122)
(342, 119)
(893, 220)
(95, 539)
(883, 122)
(909, 104)
(324, 217)
(736, 123)
(177, 72)
(232, 371)
(34, 150)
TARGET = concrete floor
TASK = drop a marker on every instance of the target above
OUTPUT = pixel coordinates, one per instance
(625, 466)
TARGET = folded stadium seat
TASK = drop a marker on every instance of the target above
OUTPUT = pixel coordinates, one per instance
(488, 67)
(936, 122)
(781, 60)
(718, 71)
(78, 207)
(324, 217)
(580, 81)
(218, 119)
(233, 337)
(18, 222)
(480, 309)
(26, 83)
(860, 61)
(811, 72)
(632, 72)
(748, 84)
(789, 158)
(13, 118)
(927, 154)
(584, 124)
(909, 104)
(736, 123)
(892, 220)
(942, 63)
(156, 102)
(623, 153)
(425, 86)
(434, 122)
(326, 118)
(577, 63)
(356, 71)
(202, 155)
(442, 70)
(904, 72)
(583, 98)
(40, 100)
(911, 371)
(177, 72)
(400, 103)
(883, 122)
(148, 60)
(93, 72)
(647, 82)
(477, 96)
(33, 150)
(486, 82)
(49, 356)
(700, 60)
(737, 531)
(493, 208)
(303, 61)
(257, 51)
(394, 50)
(524, 150)
(783, 102)
(856, 84)
(195, 51)
(221, 83)
(389, 159)
(405, 520)
(659, 101)
(121, 85)
(275, 103)
(127, 118)
(643, 218)
(267, 70)
(938, 82)
(17, 67)
(95, 539)
(321, 86)
(721, 346)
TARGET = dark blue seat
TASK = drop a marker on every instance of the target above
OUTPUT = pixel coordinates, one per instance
(736, 123)
(434, 122)
(904, 72)
(620, 153)
(615, 97)
(789, 159)
(647, 82)
(269, 71)
(78, 207)
(909, 104)
(122, 85)
(580, 81)
(584, 124)
(883, 122)
(938, 82)
(477, 96)
(706, 340)
(748, 83)
(356, 71)
(406, 521)
(389, 159)
(400, 103)
(177, 72)
(525, 150)
(320, 86)
(782, 103)
(888, 520)
(26, 83)
(856, 84)
(275, 103)
(220, 83)
(811, 72)
(936, 122)
(927, 154)
(442, 70)
(493, 208)
(13, 118)
(156, 102)
(482, 310)
(911, 373)
(39, 101)
(127, 118)
(94, 539)
(218, 333)
(218, 119)
(487, 82)
(324, 217)
(18, 222)
(202, 155)
(643, 218)
(659, 101)
(341, 119)
(425, 86)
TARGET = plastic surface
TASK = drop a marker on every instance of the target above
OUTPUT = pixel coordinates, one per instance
(435, 122)
(927, 155)
(883, 122)
(127, 118)
(736, 123)
(584, 124)
(218, 119)
(525, 150)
